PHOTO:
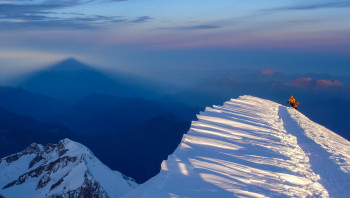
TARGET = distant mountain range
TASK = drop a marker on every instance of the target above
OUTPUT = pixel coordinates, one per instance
(100, 114)
(18, 131)
(29, 104)
(135, 151)
(139, 150)
(99, 121)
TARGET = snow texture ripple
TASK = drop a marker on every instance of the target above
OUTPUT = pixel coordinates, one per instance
(251, 147)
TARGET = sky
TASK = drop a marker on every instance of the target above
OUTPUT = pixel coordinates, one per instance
(163, 38)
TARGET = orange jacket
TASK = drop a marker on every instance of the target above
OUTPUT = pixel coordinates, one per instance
(296, 104)
(291, 100)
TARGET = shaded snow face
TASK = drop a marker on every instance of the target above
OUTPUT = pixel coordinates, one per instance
(64, 169)
(251, 147)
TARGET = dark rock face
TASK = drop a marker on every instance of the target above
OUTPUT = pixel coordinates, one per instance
(37, 159)
(12, 158)
(45, 170)
(32, 149)
(58, 183)
(10, 184)
(90, 188)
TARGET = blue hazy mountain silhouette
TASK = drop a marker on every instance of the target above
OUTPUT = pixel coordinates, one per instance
(30, 104)
(16, 132)
(100, 113)
(72, 80)
(139, 150)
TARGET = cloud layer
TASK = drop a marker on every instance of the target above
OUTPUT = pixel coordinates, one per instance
(52, 14)
(342, 4)
(307, 82)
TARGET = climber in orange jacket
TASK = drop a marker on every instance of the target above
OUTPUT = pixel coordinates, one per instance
(293, 102)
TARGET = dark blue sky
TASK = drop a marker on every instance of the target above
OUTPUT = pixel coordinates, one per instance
(161, 38)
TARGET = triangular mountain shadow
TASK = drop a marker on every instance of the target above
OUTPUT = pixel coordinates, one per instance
(72, 80)
(70, 64)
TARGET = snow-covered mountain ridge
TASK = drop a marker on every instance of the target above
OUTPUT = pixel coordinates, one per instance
(251, 147)
(66, 169)
(248, 147)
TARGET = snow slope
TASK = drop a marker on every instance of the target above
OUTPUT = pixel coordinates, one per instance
(66, 169)
(251, 147)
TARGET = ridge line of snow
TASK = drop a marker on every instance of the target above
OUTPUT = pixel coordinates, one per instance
(240, 149)
(334, 176)
(337, 146)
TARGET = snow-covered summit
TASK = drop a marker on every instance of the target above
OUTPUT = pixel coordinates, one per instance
(251, 147)
(66, 169)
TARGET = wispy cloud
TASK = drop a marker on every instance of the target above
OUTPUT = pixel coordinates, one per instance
(15, 8)
(298, 21)
(48, 14)
(342, 4)
(34, 12)
(141, 19)
(40, 21)
(44, 24)
(194, 27)
(202, 27)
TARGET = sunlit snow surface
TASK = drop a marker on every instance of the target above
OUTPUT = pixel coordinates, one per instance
(251, 147)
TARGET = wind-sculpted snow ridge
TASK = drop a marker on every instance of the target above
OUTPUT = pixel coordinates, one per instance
(66, 169)
(251, 147)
